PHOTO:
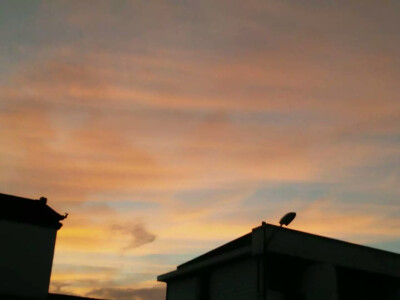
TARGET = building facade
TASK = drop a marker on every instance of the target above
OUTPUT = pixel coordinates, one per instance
(28, 230)
(276, 263)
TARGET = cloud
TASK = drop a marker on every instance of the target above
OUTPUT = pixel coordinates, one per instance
(76, 286)
(129, 293)
(356, 222)
(153, 102)
(138, 234)
(57, 287)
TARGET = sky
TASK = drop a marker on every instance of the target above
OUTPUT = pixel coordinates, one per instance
(168, 128)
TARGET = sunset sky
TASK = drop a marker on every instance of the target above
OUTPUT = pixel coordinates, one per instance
(167, 128)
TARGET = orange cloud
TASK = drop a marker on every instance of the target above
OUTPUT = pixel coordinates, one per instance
(215, 96)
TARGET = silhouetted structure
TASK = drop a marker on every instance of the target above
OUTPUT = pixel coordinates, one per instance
(276, 263)
(28, 230)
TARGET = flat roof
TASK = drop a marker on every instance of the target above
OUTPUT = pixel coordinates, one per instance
(278, 240)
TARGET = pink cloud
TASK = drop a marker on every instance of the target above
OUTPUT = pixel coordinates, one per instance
(138, 102)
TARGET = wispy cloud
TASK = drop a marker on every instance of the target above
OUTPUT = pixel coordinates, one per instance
(129, 293)
(138, 235)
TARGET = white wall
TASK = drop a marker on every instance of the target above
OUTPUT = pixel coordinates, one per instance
(26, 257)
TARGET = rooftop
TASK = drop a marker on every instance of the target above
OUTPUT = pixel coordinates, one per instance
(29, 211)
(273, 240)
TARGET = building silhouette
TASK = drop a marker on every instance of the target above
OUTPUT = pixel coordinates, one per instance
(276, 263)
(28, 230)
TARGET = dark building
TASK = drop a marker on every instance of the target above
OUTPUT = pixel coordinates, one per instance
(276, 263)
(28, 230)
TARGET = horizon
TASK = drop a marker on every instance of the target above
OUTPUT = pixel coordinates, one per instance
(166, 129)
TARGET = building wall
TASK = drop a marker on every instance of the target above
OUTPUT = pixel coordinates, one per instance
(187, 288)
(284, 264)
(26, 254)
(237, 280)
(234, 281)
(320, 282)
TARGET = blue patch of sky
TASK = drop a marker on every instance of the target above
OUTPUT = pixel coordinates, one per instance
(393, 246)
(378, 170)
(279, 118)
(289, 192)
(169, 259)
(127, 277)
(159, 114)
(263, 203)
(18, 18)
(32, 25)
(381, 139)
(201, 195)
(82, 268)
(309, 192)
(383, 197)
(109, 259)
(29, 30)
(13, 17)
(124, 196)
(123, 206)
